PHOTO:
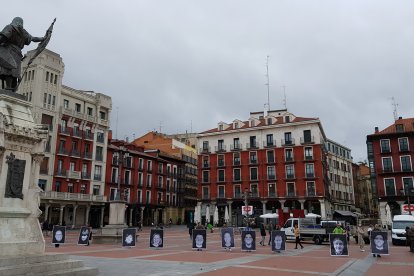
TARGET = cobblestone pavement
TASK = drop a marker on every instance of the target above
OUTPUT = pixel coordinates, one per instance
(177, 258)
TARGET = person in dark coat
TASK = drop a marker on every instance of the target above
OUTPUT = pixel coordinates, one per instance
(263, 233)
(270, 229)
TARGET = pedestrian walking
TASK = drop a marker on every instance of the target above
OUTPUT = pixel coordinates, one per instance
(296, 232)
(270, 229)
(361, 241)
(263, 233)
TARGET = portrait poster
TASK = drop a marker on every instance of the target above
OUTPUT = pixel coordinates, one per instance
(278, 241)
(379, 242)
(227, 237)
(157, 238)
(248, 240)
(84, 234)
(338, 245)
(199, 239)
(129, 236)
(58, 234)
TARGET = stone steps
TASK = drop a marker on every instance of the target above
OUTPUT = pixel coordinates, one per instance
(58, 264)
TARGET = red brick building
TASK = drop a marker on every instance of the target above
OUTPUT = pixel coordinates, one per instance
(390, 154)
(277, 158)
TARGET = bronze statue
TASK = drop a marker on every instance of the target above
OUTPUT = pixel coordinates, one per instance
(12, 40)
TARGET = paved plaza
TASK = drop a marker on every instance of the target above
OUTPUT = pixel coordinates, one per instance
(177, 258)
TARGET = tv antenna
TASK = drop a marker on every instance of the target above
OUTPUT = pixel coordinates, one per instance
(267, 84)
(395, 105)
(284, 96)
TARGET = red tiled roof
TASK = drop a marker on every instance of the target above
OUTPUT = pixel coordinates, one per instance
(408, 125)
(262, 122)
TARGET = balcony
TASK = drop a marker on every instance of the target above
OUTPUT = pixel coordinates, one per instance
(73, 175)
(205, 149)
(271, 177)
(236, 147)
(60, 173)
(310, 193)
(62, 151)
(385, 150)
(64, 131)
(97, 177)
(99, 157)
(272, 194)
(205, 181)
(387, 170)
(289, 159)
(76, 133)
(269, 144)
(237, 179)
(88, 135)
(86, 175)
(253, 161)
(404, 148)
(290, 142)
(220, 163)
(309, 175)
(290, 176)
(52, 195)
(236, 163)
(206, 164)
(309, 140)
(75, 153)
(309, 157)
(87, 155)
(238, 195)
(291, 194)
(205, 197)
(252, 145)
(221, 148)
(100, 139)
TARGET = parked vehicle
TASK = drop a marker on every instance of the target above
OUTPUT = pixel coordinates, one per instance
(399, 223)
(309, 229)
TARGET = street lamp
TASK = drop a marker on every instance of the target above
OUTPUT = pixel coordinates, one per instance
(246, 204)
(407, 191)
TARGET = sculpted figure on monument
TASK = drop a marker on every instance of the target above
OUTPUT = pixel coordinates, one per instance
(12, 40)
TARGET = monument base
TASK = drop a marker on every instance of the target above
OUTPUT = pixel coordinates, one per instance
(56, 264)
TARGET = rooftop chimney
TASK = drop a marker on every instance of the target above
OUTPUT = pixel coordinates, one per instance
(376, 129)
(399, 118)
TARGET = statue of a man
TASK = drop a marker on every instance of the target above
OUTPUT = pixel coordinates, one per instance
(12, 40)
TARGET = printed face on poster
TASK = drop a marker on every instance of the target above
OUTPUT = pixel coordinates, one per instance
(227, 237)
(84, 235)
(129, 237)
(58, 234)
(379, 242)
(157, 238)
(199, 239)
(278, 240)
(339, 245)
(248, 240)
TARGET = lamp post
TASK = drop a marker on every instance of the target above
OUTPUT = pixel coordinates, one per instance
(407, 191)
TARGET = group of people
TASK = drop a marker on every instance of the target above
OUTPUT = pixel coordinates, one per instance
(270, 227)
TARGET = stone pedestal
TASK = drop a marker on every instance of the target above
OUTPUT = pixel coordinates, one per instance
(112, 233)
(22, 144)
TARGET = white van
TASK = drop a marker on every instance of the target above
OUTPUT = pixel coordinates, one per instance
(399, 223)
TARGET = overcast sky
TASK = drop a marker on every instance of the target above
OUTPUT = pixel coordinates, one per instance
(185, 65)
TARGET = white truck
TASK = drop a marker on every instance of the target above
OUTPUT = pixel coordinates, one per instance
(308, 228)
(399, 223)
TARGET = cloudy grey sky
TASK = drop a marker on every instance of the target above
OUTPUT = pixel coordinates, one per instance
(186, 64)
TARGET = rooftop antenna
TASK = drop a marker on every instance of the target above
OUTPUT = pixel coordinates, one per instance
(394, 104)
(267, 84)
(160, 126)
(284, 96)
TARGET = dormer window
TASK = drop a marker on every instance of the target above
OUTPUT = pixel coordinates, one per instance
(287, 119)
(252, 123)
(269, 121)
(399, 128)
(236, 125)
(220, 127)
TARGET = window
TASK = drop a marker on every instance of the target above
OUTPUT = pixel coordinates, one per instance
(270, 154)
(290, 171)
(42, 184)
(77, 107)
(100, 137)
(236, 174)
(98, 173)
(389, 186)
(90, 111)
(206, 162)
(310, 188)
(385, 146)
(148, 197)
(141, 164)
(53, 100)
(206, 192)
(399, 128)
(58, 185)
(72, 166)
(159, 197)
(220, 160)
(149, 180)
(307, 136)
(386, 164)
(309, 170)
(236, 143)
(237, 191)
(220, 192)
(96, 190)
(403, 144)
(406, 163)
(220, 176)
(127, 177)
(45, 98)
(407, 184)
(254, 190)
(140, 179)
(288, 138)
(113, 193)
(102, 115)
(47, 76)
(205, 145)
(99, 153)
(269, 140)
(220, 145)
(271, 173)
(236, 158)
(290, 189)
(70, 187)
(206, 176)
(288, 155)
(220, 127)
(139, 196)
(272, 190)
(83, 189)
(66, 104)
(253, 174)
(308, 153)
(149, 166)
(253, 157)
(252, 141)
